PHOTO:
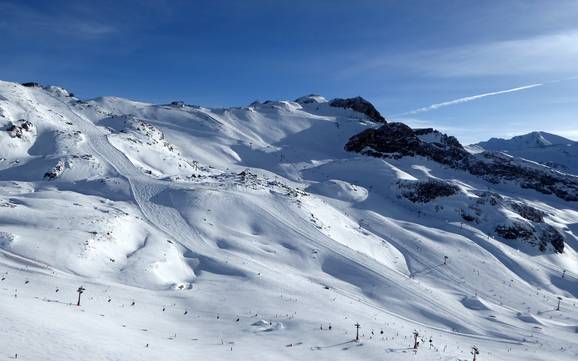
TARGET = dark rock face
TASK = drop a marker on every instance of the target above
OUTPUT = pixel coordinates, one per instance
(528, 212)
(423, 192)
(542, 235)
(514, 231)
(359, 105)
(396, 140)
(496, 168)
(31, 85)
(549, 235)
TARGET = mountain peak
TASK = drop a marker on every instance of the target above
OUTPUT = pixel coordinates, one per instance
(361, 105)
(537, 139)
(311, 99)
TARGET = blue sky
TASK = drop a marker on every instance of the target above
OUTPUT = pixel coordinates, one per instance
(401, 55)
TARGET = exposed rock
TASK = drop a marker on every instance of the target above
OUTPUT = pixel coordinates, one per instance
(488, 197)
(515, 231)
(550, 235)
(426, 191)
(58, 91)
(469, 218)
(497, 168)
(55, 172)
(543, 235)
(16, 130)
(31, 85)
(359, 105)
(528, 212)
(397, 140)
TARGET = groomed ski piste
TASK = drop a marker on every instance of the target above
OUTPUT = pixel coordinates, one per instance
(251, 234)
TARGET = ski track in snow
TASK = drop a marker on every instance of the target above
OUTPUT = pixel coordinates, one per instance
(228, 265)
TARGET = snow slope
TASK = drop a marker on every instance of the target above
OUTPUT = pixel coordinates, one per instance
(243, 233)
(545, 148)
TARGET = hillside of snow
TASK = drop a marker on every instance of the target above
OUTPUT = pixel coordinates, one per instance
(545, 148)
(253, 233)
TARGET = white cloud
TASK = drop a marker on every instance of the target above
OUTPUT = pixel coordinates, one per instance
(570, 134)
(544, 54)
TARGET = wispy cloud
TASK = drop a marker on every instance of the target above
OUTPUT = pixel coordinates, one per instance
(568, 133)
(466, 99)
(544, 54)
(26, 19)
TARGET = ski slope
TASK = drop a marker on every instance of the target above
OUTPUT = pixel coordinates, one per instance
(244, 233)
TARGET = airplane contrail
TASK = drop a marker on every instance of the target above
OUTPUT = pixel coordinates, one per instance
(467, 99)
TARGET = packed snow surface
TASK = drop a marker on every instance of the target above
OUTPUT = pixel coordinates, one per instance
(250, 233)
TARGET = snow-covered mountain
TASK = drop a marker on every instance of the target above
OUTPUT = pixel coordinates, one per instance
(552, 150)
(523, 142)
(268, 231)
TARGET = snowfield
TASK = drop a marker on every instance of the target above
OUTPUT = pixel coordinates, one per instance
(552, 150)
(251, 234)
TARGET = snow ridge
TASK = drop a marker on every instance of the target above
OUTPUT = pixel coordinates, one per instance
(223, 233)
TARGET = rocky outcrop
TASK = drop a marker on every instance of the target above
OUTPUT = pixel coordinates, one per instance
(515, 231)
(31, 85)
(17, 130)
(55, 172)
(549, 235)
(496, 168)
(359, 105)
(544, 235)
(427, 191)
(528, 212)
(397, 140)
(177, 104)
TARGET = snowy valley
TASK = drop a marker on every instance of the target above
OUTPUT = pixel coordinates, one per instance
(267, 232)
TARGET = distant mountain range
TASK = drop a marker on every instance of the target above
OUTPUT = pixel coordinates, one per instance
(549, 149)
